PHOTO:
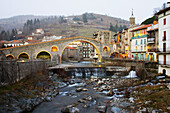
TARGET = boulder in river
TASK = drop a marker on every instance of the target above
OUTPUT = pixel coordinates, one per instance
(101, 109)
(78, 89)
(115, 110)
(48, 98)
(75, 110)
(110, 93)
(84, 89)
(81, 101)
(65, 110)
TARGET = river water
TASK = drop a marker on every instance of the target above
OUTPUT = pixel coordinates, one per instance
(88, 95)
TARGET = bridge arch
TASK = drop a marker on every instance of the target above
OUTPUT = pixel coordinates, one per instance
(106, 48)
(97, 49)
(23, 55)
(44, 55)
(54, 49)
(10, 57)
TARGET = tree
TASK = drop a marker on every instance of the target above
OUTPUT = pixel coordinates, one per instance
(85, 18)
(62, 20)
(150, 20)
(120, 28)
(111, 27)
(76, 19)
(90, 16)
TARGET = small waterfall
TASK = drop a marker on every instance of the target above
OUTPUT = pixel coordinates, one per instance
(86, 71)
(132, 74)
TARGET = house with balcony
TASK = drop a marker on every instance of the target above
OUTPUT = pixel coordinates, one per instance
(117, 42)
(139, 42)
(164, 40)
(152, 42)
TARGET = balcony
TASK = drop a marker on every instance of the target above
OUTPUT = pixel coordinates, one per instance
(164, 50)
(153, 50)
(142, 36)
(151, 40)
(163, 64)
(138, 51)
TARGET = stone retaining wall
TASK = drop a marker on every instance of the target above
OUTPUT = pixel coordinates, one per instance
(13, 71)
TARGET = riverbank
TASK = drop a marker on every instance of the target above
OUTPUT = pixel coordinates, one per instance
(45, 93)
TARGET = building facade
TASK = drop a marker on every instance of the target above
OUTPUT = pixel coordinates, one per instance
(152, 42)
(139, 43)
(164, 40)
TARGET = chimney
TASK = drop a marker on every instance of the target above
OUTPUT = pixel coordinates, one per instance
(168, 4)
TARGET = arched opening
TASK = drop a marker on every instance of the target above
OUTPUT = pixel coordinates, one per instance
(9, 57)
(54, 49)
(83, 47)
(106, 48)
(23, 56)
(44, 55)
(114, 55)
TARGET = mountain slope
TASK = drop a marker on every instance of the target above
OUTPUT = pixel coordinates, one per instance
(17, 21)
(99, 21)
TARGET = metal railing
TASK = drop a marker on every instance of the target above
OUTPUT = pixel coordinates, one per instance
(167, 49)
(142, 36)
(162, 63)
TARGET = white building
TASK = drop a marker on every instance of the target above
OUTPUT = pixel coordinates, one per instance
(49, 38)
(139, 42)
(152, 42)
(164, 40)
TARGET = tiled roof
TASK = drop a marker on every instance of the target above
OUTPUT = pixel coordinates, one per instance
(68, 47)
(4, 41)
(153, 29)
(34, 41)
(143, 27)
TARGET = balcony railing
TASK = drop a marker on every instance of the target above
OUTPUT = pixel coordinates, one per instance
(138, 50)
(151, 40)
(142, 36)
(164, 49)
(162, 63)
(153, 50)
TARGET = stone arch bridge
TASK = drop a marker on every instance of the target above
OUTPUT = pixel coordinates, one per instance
(54, 48)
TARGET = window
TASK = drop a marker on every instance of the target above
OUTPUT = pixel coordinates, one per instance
(141, 41)
(164, 37)
(164, 22)
(164, 47)
(136, 42)
(141, 48)
(164, 59)
(145, 48)
(144, 41)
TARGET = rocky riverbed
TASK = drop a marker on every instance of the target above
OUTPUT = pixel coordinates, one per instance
(90, 95)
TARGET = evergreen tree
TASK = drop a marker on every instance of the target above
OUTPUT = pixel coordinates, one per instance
(111, 27)
(84, 16)
(76, 19)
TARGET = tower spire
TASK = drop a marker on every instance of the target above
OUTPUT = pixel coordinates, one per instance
(132, 12)
(132, 19)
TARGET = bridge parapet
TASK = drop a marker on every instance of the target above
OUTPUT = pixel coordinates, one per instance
(32, 50)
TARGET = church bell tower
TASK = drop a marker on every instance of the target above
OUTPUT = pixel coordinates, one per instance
(132, 20)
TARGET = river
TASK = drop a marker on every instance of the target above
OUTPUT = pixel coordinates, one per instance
(89, 95)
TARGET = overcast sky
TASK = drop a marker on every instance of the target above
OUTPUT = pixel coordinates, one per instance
(116, 8)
